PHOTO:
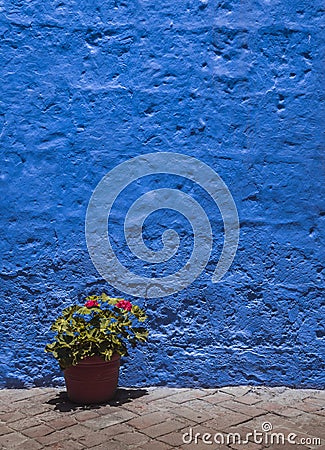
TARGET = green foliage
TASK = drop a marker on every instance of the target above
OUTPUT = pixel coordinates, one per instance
(103, 326)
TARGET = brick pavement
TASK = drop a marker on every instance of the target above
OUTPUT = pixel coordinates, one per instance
(158, 418)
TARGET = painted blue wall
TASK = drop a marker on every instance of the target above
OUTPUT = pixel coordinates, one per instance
(236, 84)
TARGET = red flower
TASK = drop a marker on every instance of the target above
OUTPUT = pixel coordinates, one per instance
(124, 304)
(91, 303)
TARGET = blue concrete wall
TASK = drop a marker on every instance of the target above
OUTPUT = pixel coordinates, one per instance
(236, 84)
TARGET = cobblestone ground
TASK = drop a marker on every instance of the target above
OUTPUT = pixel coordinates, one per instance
(164, 418)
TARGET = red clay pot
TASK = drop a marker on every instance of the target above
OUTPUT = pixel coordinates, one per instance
(92, 380)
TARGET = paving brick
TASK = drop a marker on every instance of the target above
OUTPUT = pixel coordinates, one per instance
(227, 419)
(284, 447)
(63, 422)
(14, 395)
(5, 430)
(26, 423)
(163, 428)
(53, 438)
(76, 431)
(113, 445)
(9, 441)
(6, 408)
(173, 439)
(243, 430)
(209, 409)
(30, 444)
(270, 406)
(163, 404)
(210, 391)
(182, 397)
(198, 446)
(93, 439)
(249, 410)
(289, 412)
(18, 406)
(71, 433)
(37, 431)
(106, 409)
(153, 445)
(36, 409)
(121, 413)
(67, 445)
(31, 409)
(315, 401)
(317, 393)
(237, 391)
(290, 396)
(12, 416)
(202, 405)
(148, 420)
(249, 399)
(104, 435)
(157, 393)
(249, 446)
(48, 416)
(308, 407)
(117, 429)
(41, 391)
(141, 408)
(196, 416)
(104, 421)
(85, 415)
(132, 438)
(218, 397)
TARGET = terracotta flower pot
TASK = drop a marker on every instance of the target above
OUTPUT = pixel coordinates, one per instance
(93, 380)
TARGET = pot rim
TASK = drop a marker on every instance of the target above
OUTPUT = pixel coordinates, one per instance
(95, 359)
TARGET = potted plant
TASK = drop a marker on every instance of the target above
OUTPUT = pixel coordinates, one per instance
(89, 342)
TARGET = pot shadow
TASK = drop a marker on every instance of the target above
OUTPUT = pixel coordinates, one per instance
(123, 395)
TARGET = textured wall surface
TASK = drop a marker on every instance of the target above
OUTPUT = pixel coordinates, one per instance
(236, 84)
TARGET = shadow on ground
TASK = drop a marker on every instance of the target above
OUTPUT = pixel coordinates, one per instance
(123, 395)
